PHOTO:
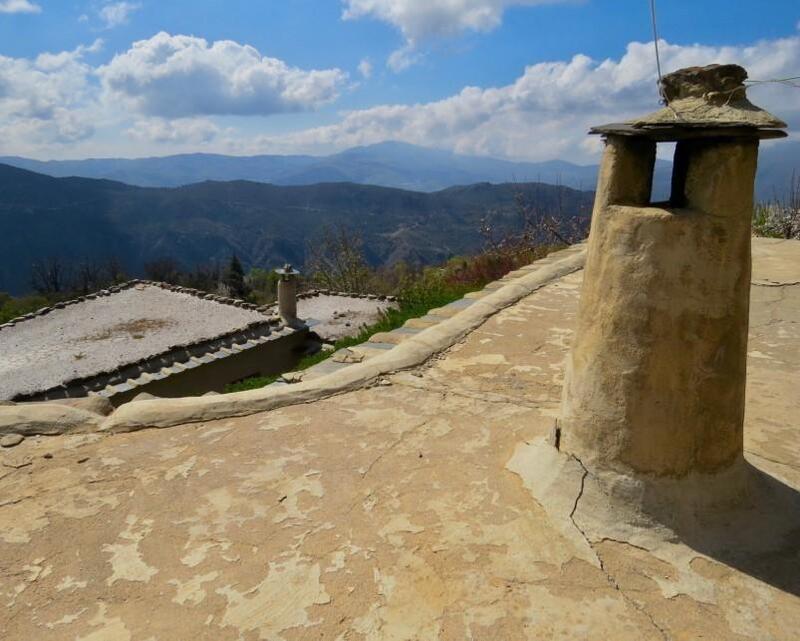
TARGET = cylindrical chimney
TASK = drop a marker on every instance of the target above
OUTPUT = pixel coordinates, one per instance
(287, 294)
(655, 381)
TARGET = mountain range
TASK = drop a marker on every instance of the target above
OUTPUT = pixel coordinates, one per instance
(388, 164)
(80, 219)
(408, 203)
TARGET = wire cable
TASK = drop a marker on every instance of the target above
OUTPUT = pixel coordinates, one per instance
(655, 44)
(789, 82)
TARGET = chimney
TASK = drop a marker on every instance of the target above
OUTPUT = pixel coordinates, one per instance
(655, 381)
(287, 294)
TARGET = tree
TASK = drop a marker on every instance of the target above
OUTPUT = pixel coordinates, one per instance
(88, 277)
(263, 285)
(113, 271)
(205, 277)
(233, 279)
(166, 270)
(336, 260)
(49, 276)
(541, 223)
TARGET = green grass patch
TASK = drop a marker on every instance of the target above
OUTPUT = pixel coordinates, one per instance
(433, 287)
(391, 319)
(256, 382)
(11, 307)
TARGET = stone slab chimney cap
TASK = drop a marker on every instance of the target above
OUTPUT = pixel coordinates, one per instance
(702, 102)
(287, 270)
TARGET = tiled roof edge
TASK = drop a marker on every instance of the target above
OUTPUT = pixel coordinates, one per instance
(181, 354)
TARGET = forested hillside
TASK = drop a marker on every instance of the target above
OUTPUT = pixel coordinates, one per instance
(78, 219)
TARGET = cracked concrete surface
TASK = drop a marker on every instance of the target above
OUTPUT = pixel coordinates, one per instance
(398, 512)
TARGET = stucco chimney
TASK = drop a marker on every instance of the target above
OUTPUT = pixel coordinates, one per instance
(655, 381)
(287, 294)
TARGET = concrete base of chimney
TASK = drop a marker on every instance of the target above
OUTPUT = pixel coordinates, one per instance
(731, 515)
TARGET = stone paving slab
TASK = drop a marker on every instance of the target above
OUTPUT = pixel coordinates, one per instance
(452, 308)
(325, 367)
(369, 349)
(424, 322)
(378, 345)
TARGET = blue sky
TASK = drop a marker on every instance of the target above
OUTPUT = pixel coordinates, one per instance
(508, 78)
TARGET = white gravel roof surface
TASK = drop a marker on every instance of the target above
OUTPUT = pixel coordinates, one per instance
(340, 316)
(99, 335)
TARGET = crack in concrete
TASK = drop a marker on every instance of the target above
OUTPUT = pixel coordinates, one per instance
(608, 539)
(609, 577)
(488, 397)
(360, 499)
(792, 284)
(393, 445)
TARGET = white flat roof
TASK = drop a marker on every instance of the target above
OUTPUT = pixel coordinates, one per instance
(102, 334)
(338, 316)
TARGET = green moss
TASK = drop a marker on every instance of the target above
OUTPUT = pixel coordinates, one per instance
(256, 382)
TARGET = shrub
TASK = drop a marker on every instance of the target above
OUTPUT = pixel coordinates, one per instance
(12, 307)
(781, 217)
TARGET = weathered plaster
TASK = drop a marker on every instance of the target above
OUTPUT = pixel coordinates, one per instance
(389, 512)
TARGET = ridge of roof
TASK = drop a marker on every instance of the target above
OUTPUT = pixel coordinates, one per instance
(114, 289)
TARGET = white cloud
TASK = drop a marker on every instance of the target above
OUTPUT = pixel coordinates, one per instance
(157, 92)
(117, 13)
(19, 6)
(420, 20)
(547, 111)
(196, 131)
(163, 95)
(43, 99)
(365, 68)
(178, 76)
(403, 58)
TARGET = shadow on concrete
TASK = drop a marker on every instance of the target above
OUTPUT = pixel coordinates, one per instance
(761, 540)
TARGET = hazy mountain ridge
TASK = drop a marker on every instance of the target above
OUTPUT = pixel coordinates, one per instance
(266, 225)
(389, 164)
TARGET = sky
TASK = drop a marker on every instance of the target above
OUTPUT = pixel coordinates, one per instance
(517, 79)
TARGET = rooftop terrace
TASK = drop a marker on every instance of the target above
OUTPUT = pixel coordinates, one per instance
(396, 511)
(333, 316)
(104, 332)
(115, 335)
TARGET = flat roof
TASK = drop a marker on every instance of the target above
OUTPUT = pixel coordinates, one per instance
(101, 333)
(336, 315)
